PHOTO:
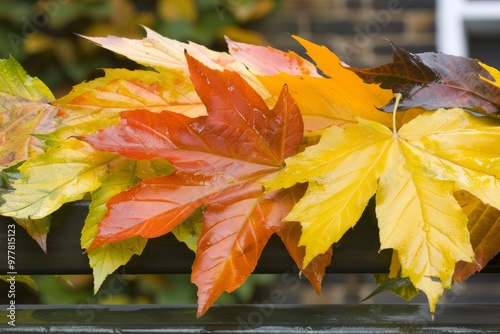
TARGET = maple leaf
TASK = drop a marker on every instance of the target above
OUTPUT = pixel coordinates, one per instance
(63, 174)
(218, 160)
(68, 171)
(265, 60)
(165, 54)
(401, 287)
(484, 229)
(414, 173)
(290, 233)
(104, 98)
(124, 174)
(26, 279)
(24, 109)
(435, 80)
(336, 99)
(37, 229)
(189, 230)
(169, 88)
(106, 259)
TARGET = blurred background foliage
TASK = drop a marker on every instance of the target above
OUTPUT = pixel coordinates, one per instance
(41, 34)
(131, 289)
(125, 289)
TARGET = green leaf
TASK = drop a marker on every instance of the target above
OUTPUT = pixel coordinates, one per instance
(189, 230)
(16, 82)
(7, 178)
(60, 136)
(400, 286)
(24, 109)
(147, 169)
(63, 174)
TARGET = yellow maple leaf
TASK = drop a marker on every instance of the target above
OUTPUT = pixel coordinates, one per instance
(414, 173)
(495, 73)
(338, 98)
(106, 259)
(63, 174)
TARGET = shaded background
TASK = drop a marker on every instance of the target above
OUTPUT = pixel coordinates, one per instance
(41, 35)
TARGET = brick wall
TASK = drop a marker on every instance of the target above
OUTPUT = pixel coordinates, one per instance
(354, 29)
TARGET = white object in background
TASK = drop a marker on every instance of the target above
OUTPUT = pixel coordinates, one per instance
(457, 19)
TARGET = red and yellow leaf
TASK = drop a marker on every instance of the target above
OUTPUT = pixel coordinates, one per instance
(120, 90)
(106, 259)
(24, 110)
(219, 160)
(236, 226)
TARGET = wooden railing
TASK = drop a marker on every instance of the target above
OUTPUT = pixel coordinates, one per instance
(357, 252)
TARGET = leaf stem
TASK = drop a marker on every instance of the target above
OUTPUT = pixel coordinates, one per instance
(397, 96)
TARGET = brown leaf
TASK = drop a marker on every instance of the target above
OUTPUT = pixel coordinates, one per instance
(484, 227)
(290, 233)
(435, 80)
(37, 229)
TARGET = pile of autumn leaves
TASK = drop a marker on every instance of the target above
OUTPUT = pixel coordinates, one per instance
(226, 149)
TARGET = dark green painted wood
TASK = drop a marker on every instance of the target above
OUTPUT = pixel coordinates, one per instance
(406, 318)
(356, 252)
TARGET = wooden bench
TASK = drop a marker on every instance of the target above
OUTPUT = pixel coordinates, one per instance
(355, 253)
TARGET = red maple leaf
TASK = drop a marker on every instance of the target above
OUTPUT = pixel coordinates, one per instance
(219, 162)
